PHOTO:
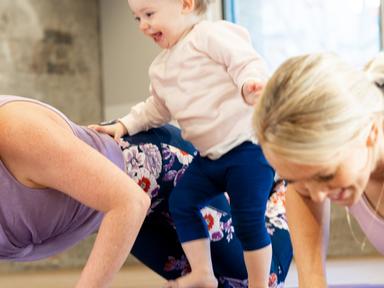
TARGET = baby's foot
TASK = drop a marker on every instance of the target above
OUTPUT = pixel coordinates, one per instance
(193, 280)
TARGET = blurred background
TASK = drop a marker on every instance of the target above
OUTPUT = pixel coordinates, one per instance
(88, 59)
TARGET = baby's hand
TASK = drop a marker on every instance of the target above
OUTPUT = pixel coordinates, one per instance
(251, 91)
(116, 130)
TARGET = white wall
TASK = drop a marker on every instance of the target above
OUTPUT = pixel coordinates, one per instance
(126, 56)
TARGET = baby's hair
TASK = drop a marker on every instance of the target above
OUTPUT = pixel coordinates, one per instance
(201, 6)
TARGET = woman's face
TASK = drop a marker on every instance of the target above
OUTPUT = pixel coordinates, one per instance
(342, 181)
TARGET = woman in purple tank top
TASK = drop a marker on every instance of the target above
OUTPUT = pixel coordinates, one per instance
(52, 184)
(60, 182)
(320, 124)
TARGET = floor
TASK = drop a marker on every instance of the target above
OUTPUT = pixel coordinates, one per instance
(132, 277)
(348, 271)
(342, 271)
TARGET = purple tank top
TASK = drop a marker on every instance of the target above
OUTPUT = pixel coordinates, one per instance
(37, 223)
(370, 222)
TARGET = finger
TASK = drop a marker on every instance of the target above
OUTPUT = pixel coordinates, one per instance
(93, 126)
(102, 129)
(97, 128)
(171, 284)
(256, 87)
(259, 86)
(252, 87)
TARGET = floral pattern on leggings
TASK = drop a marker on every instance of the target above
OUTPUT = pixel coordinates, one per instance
(149, 166)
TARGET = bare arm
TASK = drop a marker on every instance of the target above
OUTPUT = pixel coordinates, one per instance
(309, 227)
(55, 158)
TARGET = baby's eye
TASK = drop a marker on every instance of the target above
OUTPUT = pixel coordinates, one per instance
(137, 19)
(325, 178)
(149, 14)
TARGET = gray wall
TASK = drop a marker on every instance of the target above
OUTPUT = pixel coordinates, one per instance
(127, 54)
(49, 50)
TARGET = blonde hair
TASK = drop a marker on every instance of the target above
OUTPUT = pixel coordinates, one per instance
(314, 105)
(201, 6)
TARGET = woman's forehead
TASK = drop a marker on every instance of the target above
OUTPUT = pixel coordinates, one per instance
(296, 172)
(291, 170)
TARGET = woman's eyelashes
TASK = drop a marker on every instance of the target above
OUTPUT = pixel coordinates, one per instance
(325, 178)
(318, 178)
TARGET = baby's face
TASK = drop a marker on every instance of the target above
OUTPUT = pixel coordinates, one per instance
(162, 20)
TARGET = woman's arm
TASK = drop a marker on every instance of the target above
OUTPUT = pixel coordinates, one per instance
(39, 148)
(309, 228)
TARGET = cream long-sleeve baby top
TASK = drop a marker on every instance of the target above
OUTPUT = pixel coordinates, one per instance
(198, 83)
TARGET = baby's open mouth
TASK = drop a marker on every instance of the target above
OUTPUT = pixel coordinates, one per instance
(157, 36)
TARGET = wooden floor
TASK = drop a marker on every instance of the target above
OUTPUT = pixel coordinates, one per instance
(132, 277)
(340, 272)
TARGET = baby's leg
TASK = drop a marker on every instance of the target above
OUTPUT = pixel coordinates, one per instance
(248, 185)
(199, 256)
(190, 194)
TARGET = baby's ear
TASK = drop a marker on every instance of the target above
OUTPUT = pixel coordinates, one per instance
(188, 5)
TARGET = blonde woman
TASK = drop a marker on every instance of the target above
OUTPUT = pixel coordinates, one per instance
(320, 124)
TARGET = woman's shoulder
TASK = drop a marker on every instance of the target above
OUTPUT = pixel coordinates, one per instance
(21, 114)
(24, 122)
(15, 115)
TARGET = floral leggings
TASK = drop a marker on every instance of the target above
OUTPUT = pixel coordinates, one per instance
(156, 160)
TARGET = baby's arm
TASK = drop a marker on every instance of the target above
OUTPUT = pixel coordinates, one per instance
(231, 46)
(143, 116)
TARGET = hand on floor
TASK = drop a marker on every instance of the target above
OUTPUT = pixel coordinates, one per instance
(192, 281)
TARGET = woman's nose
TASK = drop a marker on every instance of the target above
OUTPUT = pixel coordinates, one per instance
(319, 196)
(317, 191)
